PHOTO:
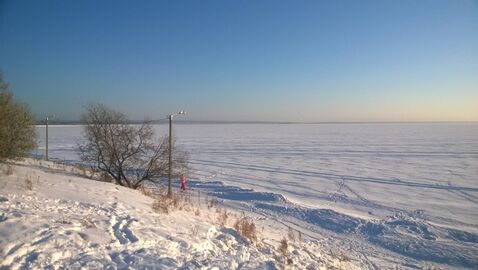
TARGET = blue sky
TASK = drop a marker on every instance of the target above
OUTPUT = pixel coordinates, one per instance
(245, 60)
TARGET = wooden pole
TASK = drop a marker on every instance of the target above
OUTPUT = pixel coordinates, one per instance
(46, 139)
(170, 193)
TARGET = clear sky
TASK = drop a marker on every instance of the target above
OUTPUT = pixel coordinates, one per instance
(268, 60)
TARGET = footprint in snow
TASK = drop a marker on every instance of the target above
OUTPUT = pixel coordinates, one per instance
(120, 229)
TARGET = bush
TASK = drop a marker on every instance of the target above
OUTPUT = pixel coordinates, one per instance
(284, 249)
(129, 154)
(247, 228)
(17, 126)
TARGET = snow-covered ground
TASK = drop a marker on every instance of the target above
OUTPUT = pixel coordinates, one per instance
(53, 218)
(397, 194)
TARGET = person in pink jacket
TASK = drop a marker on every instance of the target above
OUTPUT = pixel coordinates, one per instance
(183, 182)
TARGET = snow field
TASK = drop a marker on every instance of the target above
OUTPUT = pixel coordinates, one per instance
(52, 218)
(396, 195)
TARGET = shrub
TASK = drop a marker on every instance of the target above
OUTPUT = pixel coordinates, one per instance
(283, 249)
(130, 154)
(247, 228)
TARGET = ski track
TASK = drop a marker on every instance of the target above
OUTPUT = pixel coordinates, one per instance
(465, 195)
(329, 176)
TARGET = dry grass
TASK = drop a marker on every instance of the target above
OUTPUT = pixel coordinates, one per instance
(165, 204)
(283, 250)
(343, 257)
(104, 177)
(183, 201)
(9, 170)
(175, 199)
(195, 230)
(6, 168)
(28, 183)
(146, 191)
(161, 205)
(211, 203)
(222, 218)
(81, 170)
(87, 222)
(85, 172)
(199, 198)
(247, 228)
(290, 234)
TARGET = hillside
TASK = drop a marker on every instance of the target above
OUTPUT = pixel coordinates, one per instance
(53, 217)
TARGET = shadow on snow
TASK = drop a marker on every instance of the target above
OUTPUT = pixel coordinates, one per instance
(406, 233)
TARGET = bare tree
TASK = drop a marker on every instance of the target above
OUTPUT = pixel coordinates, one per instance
(17, 126)
(130, 154)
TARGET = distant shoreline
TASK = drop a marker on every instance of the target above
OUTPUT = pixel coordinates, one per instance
(186, 122)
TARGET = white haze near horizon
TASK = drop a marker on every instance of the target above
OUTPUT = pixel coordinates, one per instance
(367, 170)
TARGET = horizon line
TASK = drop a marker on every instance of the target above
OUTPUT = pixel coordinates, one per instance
(165, 121)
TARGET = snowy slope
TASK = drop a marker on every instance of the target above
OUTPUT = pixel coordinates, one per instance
(51, 218)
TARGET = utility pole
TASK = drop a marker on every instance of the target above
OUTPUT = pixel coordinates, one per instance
(46, 139)
(170, 154)
(170, 171)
